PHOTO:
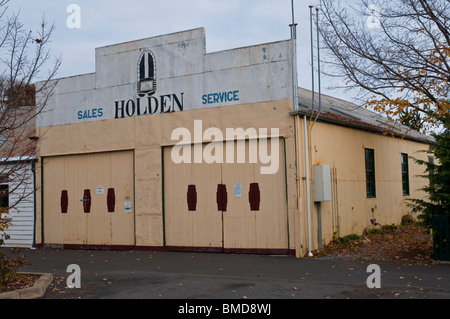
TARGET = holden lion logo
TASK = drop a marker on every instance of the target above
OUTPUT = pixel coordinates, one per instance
(146, 74)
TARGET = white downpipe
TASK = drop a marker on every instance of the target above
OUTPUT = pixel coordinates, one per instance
(308, 204)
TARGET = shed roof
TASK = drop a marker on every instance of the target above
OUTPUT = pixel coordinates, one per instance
(341, 112)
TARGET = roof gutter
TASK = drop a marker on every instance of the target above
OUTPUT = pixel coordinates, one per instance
(324, 118)
(18, 159)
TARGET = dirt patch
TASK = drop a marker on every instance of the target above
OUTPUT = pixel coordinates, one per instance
(409, 244)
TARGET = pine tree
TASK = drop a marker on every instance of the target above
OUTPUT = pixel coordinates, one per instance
(411, 119)
(438, 189)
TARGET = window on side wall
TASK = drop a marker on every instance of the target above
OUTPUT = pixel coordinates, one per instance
(431, 171)
(4, 198)
(405, 174)
(4, 193)
(370, 173)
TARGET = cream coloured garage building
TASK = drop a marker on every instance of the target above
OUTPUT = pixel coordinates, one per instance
(168, 147)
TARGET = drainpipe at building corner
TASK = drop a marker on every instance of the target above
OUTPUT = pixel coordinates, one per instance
(313, 119)
(308, 197)
(312, 122)
(295, 107)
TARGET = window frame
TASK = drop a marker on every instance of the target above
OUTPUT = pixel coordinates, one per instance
(369, 158)
(405, 174)
(4, 198)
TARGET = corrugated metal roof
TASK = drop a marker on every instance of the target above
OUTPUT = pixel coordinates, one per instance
(341, 112)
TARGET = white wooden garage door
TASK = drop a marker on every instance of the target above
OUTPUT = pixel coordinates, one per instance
(225, 207)
(89, 199)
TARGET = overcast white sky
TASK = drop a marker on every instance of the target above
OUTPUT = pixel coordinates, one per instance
(228, 23)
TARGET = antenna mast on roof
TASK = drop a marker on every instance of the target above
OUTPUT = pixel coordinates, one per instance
(293, 27)
(312, 58)
(318, 62)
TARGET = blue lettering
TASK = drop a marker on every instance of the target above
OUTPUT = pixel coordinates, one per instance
(221, 97)
(92, 114)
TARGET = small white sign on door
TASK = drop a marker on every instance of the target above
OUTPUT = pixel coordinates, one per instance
(100, 190)
(127, 207)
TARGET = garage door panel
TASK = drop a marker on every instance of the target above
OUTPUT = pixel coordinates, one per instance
(238, 226)
(53, 180)
(201, 228)
(207, 219)
(78, 174)
(274, 211)
(271, 221)
(239, 232)
(178, 221)
(121, 222)
(239, 221)
(266, 227)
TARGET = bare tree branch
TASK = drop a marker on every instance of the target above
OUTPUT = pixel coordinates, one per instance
(403, 63)
(24, 59)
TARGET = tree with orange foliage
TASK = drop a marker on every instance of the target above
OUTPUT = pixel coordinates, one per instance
(396, 53)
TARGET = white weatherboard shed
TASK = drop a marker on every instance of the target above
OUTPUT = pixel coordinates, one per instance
(22, 202)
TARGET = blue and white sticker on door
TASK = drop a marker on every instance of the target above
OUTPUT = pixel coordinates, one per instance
(238, 190)
(127, 207)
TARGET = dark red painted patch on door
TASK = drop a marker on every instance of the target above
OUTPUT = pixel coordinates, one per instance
(111, 200)
(192, 198)
(254, 197)
(64, 202)
(87, 201)
(222, 198)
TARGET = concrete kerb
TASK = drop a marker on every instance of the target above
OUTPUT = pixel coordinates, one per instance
(37, 291)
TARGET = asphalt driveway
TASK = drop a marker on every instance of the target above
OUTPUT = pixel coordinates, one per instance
(197, 276)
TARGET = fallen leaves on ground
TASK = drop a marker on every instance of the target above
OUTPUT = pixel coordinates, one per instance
(20, 282)
(410, 244)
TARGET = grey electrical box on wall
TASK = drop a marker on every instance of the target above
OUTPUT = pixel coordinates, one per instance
(322, 183)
